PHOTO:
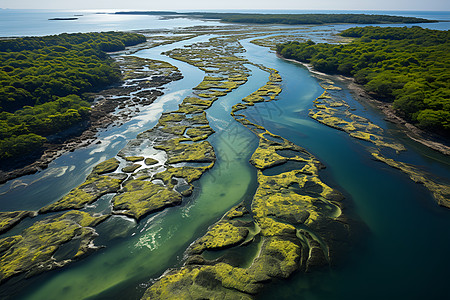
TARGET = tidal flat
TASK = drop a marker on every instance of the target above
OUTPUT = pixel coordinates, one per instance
(217, 197)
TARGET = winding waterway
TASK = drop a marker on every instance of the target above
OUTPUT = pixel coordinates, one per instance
(404, 253)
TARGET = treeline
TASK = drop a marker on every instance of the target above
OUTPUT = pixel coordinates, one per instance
(291, 19)
(409, 66)
(300, 19)
(43, 79)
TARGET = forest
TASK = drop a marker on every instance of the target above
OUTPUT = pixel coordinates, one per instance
(407, 66)
(44, 81)
(290, 19)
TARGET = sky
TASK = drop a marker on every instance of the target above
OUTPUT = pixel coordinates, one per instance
(437, 5)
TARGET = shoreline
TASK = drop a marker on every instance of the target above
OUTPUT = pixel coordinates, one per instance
(102, 115)
(412, 132)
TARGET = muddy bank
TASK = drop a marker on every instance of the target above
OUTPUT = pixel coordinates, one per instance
(428, 139)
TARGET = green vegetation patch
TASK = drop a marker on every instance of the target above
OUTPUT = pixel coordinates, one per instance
(336, 114)
(107, 166)
(308, 19)
(131, 168)
(134, 158)
(197, 101)
(138, 198)
(196, 152)
(134, 67)
(9, 219)
(197, 283)
(170, 117)
(228, 232)
(221, 235)
(293, 19)
(190, 174)
(150, 161)
(93, 188)
(32, 251)
(200, 132)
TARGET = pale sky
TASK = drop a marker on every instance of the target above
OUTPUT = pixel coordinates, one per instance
(198, 5)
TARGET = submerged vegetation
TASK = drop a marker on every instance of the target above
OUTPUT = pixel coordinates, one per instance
(43, 81)
(336, 113)
(409, 66)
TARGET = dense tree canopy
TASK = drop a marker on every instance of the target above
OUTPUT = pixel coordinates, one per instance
(42, 81)
(291, 19)
(409, 66)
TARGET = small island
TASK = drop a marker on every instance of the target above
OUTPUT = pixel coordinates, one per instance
(63, 19)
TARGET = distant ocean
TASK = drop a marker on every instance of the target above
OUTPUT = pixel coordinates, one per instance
(14, 22)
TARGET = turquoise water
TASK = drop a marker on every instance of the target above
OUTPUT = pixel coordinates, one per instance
(402, 255)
